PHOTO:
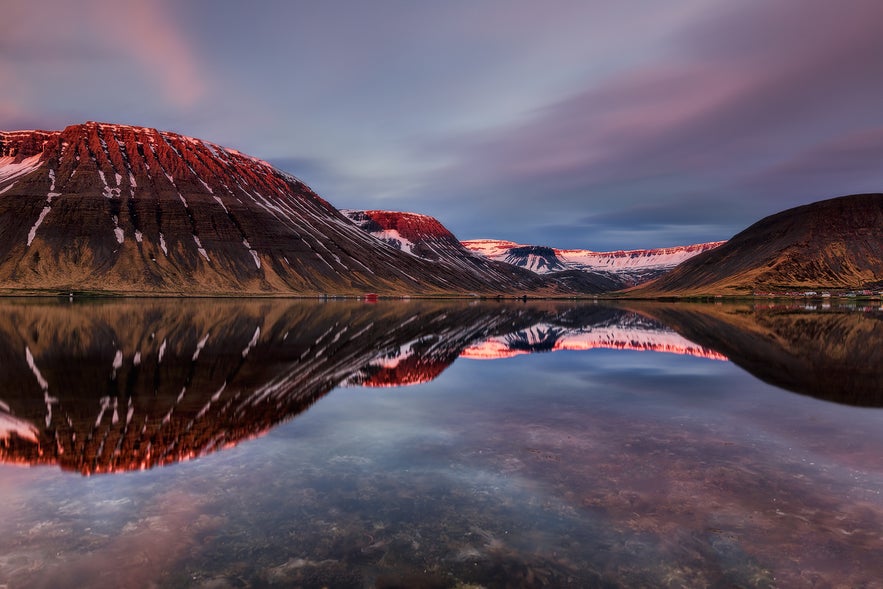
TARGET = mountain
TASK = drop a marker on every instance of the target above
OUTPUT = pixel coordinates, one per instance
(830, 244)
(118, 386)
(425, 237)
(624, 267)
(832, 354)
(113, 208)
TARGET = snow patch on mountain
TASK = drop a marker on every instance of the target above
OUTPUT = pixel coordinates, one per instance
(639, 264)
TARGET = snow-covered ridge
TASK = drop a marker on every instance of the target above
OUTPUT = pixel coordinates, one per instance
(543, 259)
(10, 169)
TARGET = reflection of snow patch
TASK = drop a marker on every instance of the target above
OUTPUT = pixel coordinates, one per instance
(200, 346)
(104, 402)
(117, 362)
(33, 366)
(253, 342)
(10, 425)
(217, 394)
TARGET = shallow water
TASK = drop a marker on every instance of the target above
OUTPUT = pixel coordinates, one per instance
(259, 444)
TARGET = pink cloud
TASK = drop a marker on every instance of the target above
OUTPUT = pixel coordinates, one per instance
(146, 32)
(96, 50)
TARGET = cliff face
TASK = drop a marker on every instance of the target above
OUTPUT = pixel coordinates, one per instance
(129, 209)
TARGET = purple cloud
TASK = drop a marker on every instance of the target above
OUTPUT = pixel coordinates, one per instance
(602, 125)
(736, 95)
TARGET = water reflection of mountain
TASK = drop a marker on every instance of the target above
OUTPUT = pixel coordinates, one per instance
(587, 328)
(124, 385)
(835, 354)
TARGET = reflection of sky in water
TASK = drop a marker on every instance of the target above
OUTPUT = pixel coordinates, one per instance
(564, 469)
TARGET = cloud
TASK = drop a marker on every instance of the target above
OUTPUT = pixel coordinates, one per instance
(97, 57)
(147, 32)
(843, 156)
(737, 92)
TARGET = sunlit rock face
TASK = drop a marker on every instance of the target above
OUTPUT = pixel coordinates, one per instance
(830, 244)
(102, 207)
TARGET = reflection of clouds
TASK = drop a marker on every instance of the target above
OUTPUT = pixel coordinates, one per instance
(105, 535)
(649, 468)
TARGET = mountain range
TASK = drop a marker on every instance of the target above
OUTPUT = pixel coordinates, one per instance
(625, 267)
(102, 208)
(112, 208)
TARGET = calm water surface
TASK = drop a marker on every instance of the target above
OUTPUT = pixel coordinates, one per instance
(261, 444)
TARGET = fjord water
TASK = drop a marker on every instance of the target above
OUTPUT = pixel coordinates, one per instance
(430, 444)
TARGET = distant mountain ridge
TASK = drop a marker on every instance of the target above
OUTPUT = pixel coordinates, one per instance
(425, 237)
(626, 267)
(835, 243)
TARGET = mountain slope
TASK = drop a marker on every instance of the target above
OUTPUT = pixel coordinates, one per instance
(425, 237)
(832, 355)
(835, 243)
(102, 207)
(624, 267)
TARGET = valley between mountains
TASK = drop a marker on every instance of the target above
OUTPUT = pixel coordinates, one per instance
(115, 209)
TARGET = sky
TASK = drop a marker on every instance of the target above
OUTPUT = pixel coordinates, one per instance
(585, 124)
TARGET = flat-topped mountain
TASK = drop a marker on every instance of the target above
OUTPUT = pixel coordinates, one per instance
(835, 243)
(100, 207)
(624, 267)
